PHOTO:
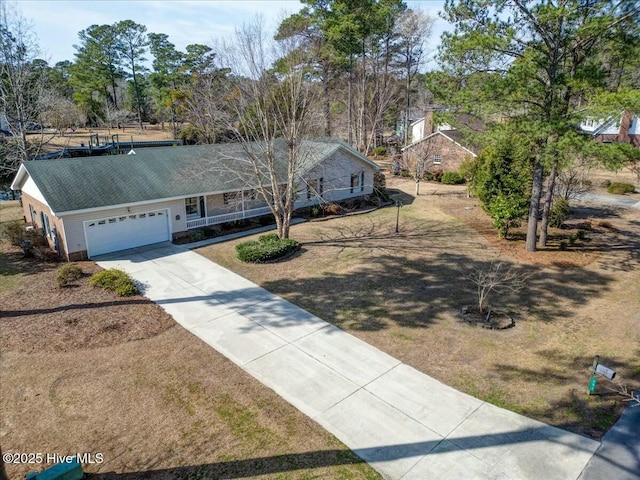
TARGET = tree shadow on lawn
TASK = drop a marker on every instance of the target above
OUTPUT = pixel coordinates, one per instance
(400, 196)
(14, 262)
(575, 411)
(504, 441)
(393, 289)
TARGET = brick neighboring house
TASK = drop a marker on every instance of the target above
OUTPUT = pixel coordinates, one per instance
(441, 148)
(622, 129)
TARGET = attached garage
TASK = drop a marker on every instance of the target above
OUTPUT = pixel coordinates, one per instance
(106, 235)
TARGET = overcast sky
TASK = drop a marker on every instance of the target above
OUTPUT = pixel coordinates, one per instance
(57, 22)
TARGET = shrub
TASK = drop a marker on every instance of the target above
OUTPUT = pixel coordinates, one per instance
(67, 274)
(581, 235)
(559, 212)
(269, 247)
(331, 208)
(196, 235)
(115, 280)
(618, 188)
(564, 245)
(452, 178)
(380, 151)
(434, 176)
(16, 232)
(265, 220)
(506, 212)
(585, 226)
(44, 254)
(268, 237)
(608, 225)
(314, 212)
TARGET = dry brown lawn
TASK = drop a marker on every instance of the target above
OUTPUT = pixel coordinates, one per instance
(55, 141)
(83, 371)
(402, 293)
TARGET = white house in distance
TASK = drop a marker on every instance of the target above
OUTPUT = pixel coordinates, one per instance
(95, 205)
(624, 128)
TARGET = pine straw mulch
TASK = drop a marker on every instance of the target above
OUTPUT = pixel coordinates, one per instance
(38, 316)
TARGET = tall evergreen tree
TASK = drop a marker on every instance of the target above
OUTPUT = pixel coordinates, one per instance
(538, 60)
(132, 45)
(97, 71)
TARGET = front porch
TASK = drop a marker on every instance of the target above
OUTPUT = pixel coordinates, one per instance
(227, 217)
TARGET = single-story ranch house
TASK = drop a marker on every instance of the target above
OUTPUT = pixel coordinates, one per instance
(95, 205)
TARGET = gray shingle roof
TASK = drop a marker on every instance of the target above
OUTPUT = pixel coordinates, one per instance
(157, 173)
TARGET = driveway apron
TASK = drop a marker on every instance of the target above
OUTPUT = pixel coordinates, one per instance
(402, 422)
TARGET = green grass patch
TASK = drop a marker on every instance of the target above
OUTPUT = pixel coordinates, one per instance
(243, 423)
(401, 336)
(268, 248)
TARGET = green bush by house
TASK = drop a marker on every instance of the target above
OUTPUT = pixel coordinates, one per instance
(16, 233)
(269, 247)
(618, 188)
(115, 280)
(452, 178)
(67, 274)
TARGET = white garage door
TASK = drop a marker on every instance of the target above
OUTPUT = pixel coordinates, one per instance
(119, 233)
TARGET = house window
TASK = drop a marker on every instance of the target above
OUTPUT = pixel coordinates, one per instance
(44, 218)
(32, 212)
(250, 195)
(192, 207)
(354, 183)
(321, 186)
(437, 159)
(362, 181)
(231, 197)
(312, 189)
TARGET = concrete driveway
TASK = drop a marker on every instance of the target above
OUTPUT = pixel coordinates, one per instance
(616, 201)
(405, 424)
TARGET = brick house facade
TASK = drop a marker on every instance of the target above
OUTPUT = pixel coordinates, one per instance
(624, 129)
(439, 152)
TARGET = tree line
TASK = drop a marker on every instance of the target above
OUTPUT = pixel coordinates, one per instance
(364, 55)
(530, 71)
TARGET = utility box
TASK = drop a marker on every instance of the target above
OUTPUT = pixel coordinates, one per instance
(62, 471)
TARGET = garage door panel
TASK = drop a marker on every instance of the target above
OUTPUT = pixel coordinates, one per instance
(127, 231)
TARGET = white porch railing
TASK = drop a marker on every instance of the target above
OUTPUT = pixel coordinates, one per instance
(227, 217)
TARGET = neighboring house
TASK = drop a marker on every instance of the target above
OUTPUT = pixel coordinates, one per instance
(622, 129)
(95, 205)
(440, 148)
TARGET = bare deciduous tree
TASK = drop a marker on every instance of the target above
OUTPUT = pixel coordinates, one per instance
(21, 86)
(572, 181)
(623, 390)
(274, 108)
(413, 161)
(61, 113)
(498, 278)
(413, 29)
